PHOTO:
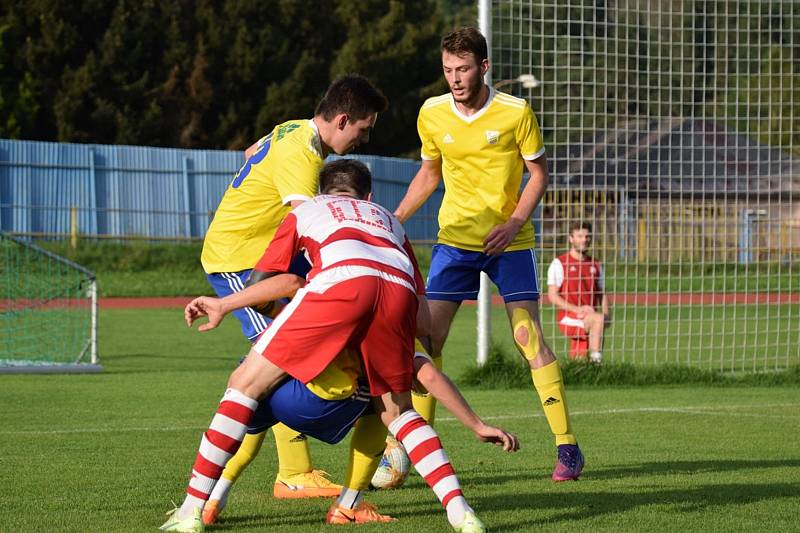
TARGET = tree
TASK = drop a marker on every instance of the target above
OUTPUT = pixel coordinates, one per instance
(396, 45)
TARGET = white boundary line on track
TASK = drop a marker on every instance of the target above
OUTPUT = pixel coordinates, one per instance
(730, 410)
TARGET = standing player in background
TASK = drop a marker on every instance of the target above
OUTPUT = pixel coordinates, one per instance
(279, 174)
(363, 293)
(480, 141)
(576, 286)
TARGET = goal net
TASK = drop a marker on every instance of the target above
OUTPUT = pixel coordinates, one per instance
(674, 128)
(48, 311)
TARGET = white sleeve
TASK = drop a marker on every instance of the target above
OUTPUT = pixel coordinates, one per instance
(555, 273)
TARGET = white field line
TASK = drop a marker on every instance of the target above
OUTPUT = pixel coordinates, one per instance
(729, 410)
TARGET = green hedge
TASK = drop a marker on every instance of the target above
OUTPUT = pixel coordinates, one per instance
(502, 371)
(141, 268)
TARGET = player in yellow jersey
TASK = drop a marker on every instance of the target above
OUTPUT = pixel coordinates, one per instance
(281, 172)
(480, 141)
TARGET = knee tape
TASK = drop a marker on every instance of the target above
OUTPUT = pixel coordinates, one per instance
(521, 321)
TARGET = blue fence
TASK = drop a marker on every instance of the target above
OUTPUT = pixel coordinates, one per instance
(130, 192)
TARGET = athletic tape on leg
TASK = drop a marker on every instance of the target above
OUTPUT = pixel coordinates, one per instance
(522, 325)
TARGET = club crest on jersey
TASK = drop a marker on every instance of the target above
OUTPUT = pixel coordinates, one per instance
(448, 139)
(492, 136)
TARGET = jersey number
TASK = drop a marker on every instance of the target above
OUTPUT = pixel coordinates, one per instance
(350, 211)
(254, 159)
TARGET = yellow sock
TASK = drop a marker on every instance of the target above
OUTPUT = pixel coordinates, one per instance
(550, 387)
(244, 456)
(293, 454)
(425, 404)
(366, 449)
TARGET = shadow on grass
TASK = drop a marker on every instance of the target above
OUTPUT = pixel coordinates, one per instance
(586, 505)
(563, 508)
(253, 522)
(428, 508)
(690, 467)
(644, 469)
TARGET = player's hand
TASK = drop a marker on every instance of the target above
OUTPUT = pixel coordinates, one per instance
(584, 310)
(498, 437)
(501, 236)
(204, 306)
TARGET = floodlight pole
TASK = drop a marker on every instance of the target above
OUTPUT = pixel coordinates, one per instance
(484, 294)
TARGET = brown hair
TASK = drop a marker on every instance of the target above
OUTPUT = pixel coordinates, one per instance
(580, 224)
(354, 95)
(465, 41)
(345, 176)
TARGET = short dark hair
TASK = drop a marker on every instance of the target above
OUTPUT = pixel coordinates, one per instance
(354, 95)
(580, 224)
(345, 176)
(467, 40)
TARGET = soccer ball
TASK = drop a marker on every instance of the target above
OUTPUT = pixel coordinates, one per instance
(394, 467)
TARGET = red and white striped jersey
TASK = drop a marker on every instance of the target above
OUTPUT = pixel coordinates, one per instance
(579, 282)
(344, 238)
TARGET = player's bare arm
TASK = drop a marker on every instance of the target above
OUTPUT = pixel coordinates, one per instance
(440, 386)
(266, 290)
(561, 303)
(253, 148)
(421, 187)
(502, 235)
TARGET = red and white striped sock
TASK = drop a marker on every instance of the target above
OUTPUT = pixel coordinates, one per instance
(219, 443)
(429, 458)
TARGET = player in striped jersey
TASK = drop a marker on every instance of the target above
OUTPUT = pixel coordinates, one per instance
(280, 172)
(479, 141)
(362, 293)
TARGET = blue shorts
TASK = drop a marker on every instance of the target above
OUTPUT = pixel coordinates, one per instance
(302, 410)
(454, 274)
(253, 322)
(225, 283)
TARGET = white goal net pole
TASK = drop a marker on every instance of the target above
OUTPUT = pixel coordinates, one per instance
(93, 333)
(485, 293)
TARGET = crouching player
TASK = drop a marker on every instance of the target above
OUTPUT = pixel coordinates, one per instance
(327, 407)
(362, 294)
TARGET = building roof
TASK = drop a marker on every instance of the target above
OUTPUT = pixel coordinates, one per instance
(678, 157)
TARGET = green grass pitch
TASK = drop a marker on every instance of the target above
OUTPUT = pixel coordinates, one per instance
(107, 452)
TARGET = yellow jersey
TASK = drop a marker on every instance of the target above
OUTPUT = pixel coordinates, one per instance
(482, 165)
(339, 380)
(284, 168)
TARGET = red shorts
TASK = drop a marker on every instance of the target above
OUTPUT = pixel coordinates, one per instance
(376, 317)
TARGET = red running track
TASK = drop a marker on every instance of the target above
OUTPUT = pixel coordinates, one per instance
(615, 299)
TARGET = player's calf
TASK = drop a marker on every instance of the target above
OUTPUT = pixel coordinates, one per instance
(595, 322)
(430, 460)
